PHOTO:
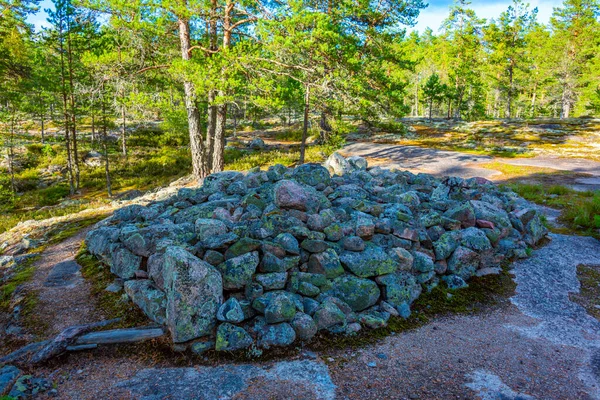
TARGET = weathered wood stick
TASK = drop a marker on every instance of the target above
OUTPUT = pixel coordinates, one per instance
(59, 344)
(22, 353)
(115, 336)
(82, 347)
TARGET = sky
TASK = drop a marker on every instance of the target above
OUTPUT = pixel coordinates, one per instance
(431, 17)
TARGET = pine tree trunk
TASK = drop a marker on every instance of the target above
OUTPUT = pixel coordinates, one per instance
(325, 127)
(93, 138)
(199, 167)
(43, 132)
(510, 93)
(66, 112)
(11, 154)
(105, 146)
(123, 126)
(218, 162)
(72, 104)
(211, 124)
(305, 125)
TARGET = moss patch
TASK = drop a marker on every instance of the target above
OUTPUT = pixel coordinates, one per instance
(112, 305)
(22, 274)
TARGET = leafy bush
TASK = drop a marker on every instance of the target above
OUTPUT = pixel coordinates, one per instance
(27, 179)
(35, 148)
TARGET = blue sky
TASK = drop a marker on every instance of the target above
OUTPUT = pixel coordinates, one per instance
(431, 17)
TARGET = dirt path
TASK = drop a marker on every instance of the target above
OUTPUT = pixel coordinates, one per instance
(452, 163)
(63, 295)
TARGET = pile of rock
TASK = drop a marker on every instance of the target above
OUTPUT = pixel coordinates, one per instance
(271, 257)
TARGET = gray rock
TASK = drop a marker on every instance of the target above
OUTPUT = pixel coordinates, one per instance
(231, 338)
(372, 261)
(356, 292)
(329, 315)
(326, 263)
(194, 291)
(277, 335)
(312, 174)
(304, 326)
(152, 301)
(205, 228)
(8, 377)
(238, 271)
(231, 311)
(272, 281)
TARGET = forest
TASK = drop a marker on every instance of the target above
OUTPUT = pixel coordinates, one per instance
(182, 78)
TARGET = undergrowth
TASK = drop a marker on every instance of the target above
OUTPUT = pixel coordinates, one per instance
(112, 305)
(580, 210)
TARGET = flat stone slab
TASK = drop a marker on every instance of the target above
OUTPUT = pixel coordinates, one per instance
(63, 274)
(489, 387)
(297, 379)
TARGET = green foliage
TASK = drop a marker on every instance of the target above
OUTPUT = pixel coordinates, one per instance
(22, 274)
(112, 304)
(580, 210)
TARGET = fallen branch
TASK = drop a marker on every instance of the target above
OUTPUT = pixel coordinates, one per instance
(59, 344)
(77, 338)
(119, 336)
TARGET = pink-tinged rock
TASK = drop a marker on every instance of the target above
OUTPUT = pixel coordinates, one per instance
(408, 234)
(290, 194)
(482, 223)
(481, 181)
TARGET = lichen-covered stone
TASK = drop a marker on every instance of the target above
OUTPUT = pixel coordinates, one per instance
(356, 292)
(304, 326)
(326, 263)
(277, 335)
(230, 311)
(372, 261)
(463, 262)
(399, 288)
(231, 337)
(238, 271)
(152, 300)
(124, 263)
(194, 291)
(423, 262)
(475, 239)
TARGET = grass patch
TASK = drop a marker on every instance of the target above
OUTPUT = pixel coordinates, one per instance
(242, 160)
(589, 292)
(22, 274)
(510, 171)
(111, 304)
(580, 210)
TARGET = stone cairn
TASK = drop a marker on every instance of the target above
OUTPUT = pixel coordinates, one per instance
(267, 258)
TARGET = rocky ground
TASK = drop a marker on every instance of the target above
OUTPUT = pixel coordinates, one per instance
(453, 163)
(539, 345)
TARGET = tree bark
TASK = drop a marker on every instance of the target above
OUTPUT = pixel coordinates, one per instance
(66, 110)
(305, 124)
(211, 120)
(105, 145)
(123, 125)
(199, 167)
(510, 93)
(218, 160)
(72, 104)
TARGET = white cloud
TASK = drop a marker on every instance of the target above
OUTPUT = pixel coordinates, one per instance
(433, 16)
